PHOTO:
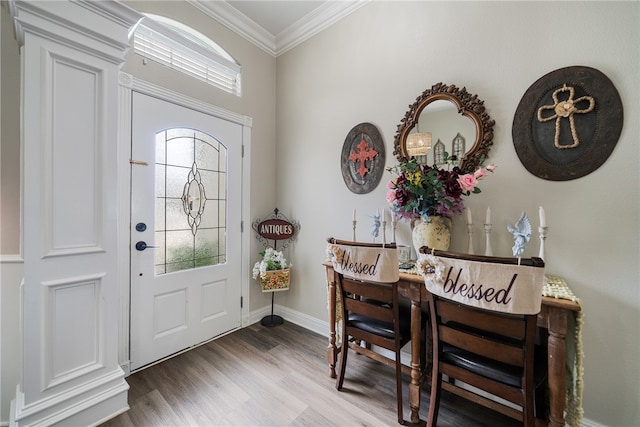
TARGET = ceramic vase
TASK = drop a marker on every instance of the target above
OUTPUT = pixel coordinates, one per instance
(433, 231)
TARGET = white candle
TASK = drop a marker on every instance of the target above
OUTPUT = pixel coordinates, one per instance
(391, 216)
(354, 214)
(488, 218)
(543, 219)
(469, 222)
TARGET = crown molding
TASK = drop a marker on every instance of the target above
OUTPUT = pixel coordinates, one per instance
(306, 27)
(313, 23)
(237, 22)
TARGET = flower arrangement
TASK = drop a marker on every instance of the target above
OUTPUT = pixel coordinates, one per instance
(273, 271)
(271, 260)
(422, 190)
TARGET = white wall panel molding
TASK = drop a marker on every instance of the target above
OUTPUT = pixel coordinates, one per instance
(65, 362)
(73, 168)
(71, 52)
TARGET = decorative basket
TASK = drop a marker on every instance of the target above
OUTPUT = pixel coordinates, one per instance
(276, 280)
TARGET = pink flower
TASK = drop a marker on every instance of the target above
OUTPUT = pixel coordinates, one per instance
(391, 195)
(480, 173)
(391, 185)
(467, 182)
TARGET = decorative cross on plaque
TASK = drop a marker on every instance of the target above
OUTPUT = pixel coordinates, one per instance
(363, 154)
(566, 109)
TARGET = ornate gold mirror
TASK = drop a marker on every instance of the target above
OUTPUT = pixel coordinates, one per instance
(438, 122)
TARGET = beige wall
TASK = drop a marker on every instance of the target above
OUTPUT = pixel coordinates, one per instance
(10, 137)
(371, 65)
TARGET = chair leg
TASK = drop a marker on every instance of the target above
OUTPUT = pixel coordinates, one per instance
(343, 362)
(528, 416)
(434, 399)
(399, 387)
(542, 401)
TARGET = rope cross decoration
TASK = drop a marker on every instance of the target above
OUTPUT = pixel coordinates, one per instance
(566, 109)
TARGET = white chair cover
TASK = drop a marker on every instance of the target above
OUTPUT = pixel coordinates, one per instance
(365, 263)
(506, 288)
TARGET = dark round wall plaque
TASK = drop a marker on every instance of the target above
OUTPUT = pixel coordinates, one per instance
(363, 158)
(567, 123)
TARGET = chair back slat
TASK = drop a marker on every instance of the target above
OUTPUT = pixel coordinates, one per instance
(511, 326)
(496, 350)
(381, 292)
(369, 309)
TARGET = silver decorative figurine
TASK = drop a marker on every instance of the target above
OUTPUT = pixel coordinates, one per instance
(521, 234)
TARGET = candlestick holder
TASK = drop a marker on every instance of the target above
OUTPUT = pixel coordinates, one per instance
(384, 232)
(487, 233)
(543, 237)
(354, 229)
(470, 233)
(393, 231)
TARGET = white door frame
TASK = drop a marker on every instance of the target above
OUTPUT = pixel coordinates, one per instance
(128, 84)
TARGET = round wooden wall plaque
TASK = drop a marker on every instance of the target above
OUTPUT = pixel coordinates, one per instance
(363, 158)
(567, 123)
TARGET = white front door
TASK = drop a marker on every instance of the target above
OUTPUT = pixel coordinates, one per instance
(186, 177)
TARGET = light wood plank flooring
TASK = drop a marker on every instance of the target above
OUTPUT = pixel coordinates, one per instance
(277, 376)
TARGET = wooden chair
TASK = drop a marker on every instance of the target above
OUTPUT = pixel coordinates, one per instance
(490, 348)
(373, 315)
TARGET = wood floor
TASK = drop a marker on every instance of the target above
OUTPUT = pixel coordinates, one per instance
(277, 376)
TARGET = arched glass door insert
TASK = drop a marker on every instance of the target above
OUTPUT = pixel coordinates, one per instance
(191, 196)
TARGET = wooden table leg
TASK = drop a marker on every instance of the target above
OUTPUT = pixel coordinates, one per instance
(414, 386)
(557, 324)
(332, 351)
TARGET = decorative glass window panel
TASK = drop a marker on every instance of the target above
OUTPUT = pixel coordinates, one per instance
(191, 193)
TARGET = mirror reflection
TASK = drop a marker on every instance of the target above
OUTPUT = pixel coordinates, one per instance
(447, 130)
(448, 119)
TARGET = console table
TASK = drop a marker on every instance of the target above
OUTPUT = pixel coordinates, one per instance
(553, 317)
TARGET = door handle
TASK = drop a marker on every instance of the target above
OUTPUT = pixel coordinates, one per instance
(141, 246)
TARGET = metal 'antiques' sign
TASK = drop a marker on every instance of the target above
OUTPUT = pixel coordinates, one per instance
(276, 227)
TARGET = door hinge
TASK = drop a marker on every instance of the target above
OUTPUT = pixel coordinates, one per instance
(241, 302)
(242, 226)
(243, 151)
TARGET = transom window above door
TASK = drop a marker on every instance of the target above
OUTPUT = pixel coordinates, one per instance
(184, 49)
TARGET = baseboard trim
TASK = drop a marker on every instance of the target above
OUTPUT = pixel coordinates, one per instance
(97, 400)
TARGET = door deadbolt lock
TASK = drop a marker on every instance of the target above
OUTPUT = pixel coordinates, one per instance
(141, 226)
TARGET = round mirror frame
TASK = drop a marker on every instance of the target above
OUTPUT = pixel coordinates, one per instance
(468, 105)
